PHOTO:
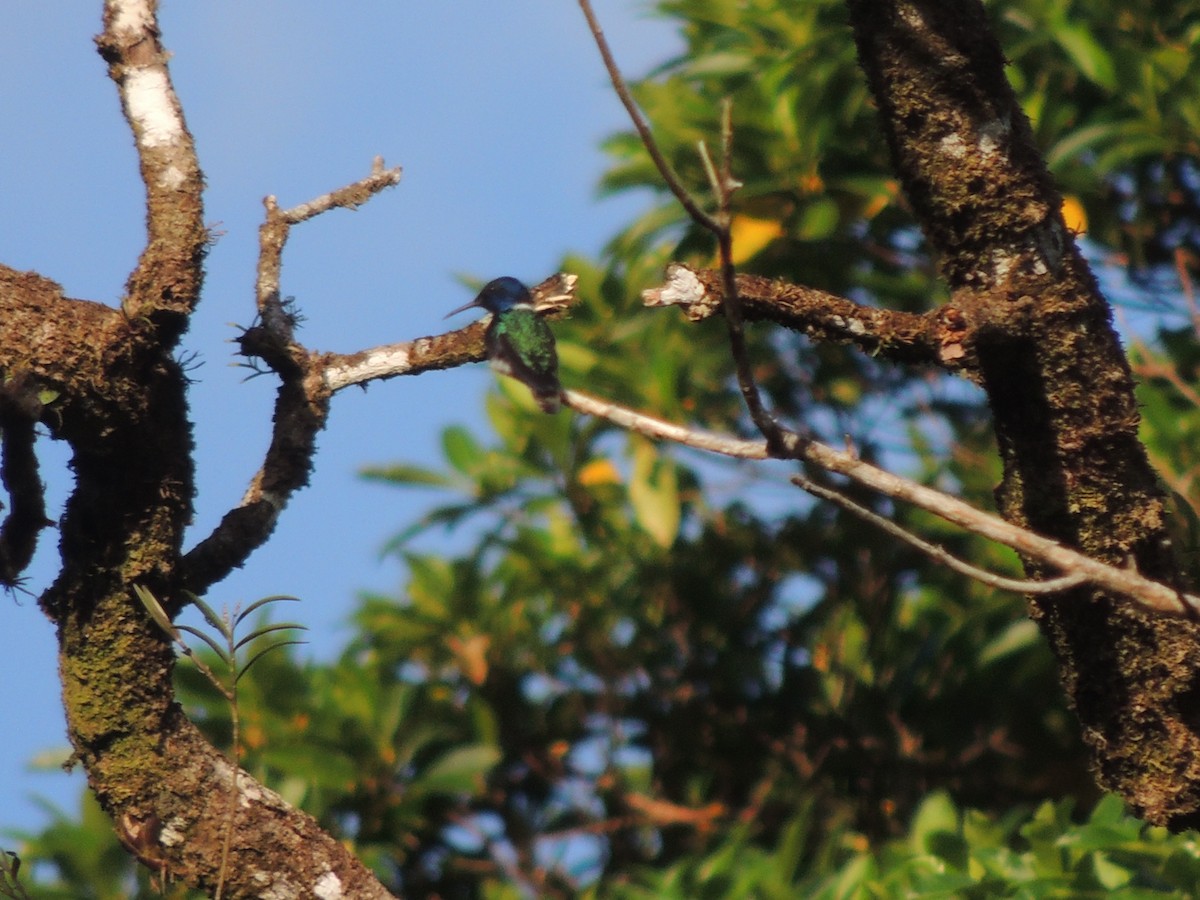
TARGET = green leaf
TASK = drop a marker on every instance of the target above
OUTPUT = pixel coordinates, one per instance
(462, 450)
(818, 220)
(654, 493)
(259, 604)
(405, 474)
(214, 645)
(936, 815)
(154, 608)
(460, 771)
(268, 629)
(1017, 636)
(260, 654)
(213, 618)
(1092, 59)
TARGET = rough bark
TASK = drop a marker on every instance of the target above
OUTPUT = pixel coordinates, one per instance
(105, 380)
(1057, 381)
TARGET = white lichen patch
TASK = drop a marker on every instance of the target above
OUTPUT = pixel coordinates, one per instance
(1002, 263)
(132, 15)
(149, 98)
(682, 288)
(993, 136)
(391, 360)
(172, 178)
(173, 832)
(249, 790)
(953, 146)
(328, 887)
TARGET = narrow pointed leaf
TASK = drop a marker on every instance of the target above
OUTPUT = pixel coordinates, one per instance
(258, 604)
(260, 654)
(213, 618)
(154, 608)
(402, 474)
(217, 648)
(255, 635)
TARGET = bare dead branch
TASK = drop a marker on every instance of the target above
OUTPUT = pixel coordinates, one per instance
(20, 409)
(660, 162)
(660, 429)
(341, 370)
(1149, 594)
(273, 233)
(301, 405)
(165, 286)
(723, 186)
(940, 554)
(308, 379)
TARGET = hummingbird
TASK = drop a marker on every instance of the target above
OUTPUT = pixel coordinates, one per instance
(519, 342)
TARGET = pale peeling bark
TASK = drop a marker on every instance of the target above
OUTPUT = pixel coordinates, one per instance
(105, 381)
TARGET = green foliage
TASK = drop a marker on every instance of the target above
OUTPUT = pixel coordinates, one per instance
(646, 673)
(78, 857)
(10, 880)
(231, 644)
(947, 852)
(1110, 88)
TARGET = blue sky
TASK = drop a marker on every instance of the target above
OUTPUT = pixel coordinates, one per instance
(495, 111)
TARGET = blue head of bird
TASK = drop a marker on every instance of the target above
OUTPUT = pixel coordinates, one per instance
(519, 343)
(499, 296)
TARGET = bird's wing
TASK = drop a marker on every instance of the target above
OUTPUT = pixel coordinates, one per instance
(537, 362)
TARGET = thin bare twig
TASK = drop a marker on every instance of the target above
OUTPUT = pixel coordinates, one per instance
(660, 162)
(273, 233)
(1150, 594)
(723, 186)
(940, 554)
(301, 406)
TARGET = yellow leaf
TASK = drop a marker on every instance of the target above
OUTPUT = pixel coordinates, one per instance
(599, 471)
(472, 656)
(1074, 215)
(877, 203)
(751, 236)
(654, 493)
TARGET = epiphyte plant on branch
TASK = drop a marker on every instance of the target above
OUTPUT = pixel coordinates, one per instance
(519, 342)
(259, 642)
(1025, 322)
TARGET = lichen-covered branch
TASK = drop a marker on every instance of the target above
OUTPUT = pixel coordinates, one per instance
(301, 404)
(20, 408)
(105, 381)
(1057, 382)
(165, 286)
(933, 338)
(308, 380)
(341, 370)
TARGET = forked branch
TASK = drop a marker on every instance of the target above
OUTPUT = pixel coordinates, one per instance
(1071, 563)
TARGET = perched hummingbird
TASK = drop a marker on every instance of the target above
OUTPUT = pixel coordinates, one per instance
(519, 342)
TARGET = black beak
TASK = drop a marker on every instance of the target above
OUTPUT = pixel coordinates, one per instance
(465, 306)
